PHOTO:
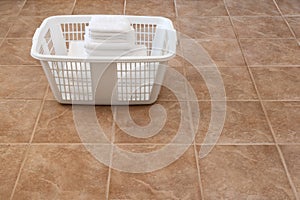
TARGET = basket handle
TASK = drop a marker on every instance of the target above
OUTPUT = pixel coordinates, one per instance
(36, 34)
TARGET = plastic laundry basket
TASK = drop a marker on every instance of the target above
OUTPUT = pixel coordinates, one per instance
(76, 78)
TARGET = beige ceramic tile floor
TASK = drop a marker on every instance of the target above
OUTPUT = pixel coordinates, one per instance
(255, 46)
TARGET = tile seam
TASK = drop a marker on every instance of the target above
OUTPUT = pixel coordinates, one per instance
(291, 183)
(124, 7)
(198, 170)
(73, 7)
(29, 144)
(175, 7)
(111, 155)
(149, 144)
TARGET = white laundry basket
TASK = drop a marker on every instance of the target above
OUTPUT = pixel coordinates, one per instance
(76, 78)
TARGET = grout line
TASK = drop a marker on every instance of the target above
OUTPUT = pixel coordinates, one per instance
(175, 7)
(286, 22)
(29, 144)
(21, 8)
(147, 144)
(198, 169)
(33, 65)
(124, 7)
(264, 110)
(193, 129)
(73, 7)
(266, 66)
(111, 157)
(239, 144)
(199, 100)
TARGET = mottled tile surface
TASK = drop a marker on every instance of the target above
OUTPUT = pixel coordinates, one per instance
(5, 23)
(11, 7)
(163, 129)
(201, 8)
(30, 84)
(24, 26)
(170, 89)
(10, 158)
(294, 22)
(289, 7)
(254, 7)
(99, 7)
(57, 124)
(261, 27)
(16, 52)
(153, 8)
(61, 172)
(285, 120)
(47, 8)
(244, 172)
(245, 122)
(229, 56)
(17, 120)
(277, 83)
(271, 51)
(206, 27)
(237, 83)
(176, 181)
(292, 159)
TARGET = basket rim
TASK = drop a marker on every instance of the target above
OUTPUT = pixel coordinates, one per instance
(34, 53)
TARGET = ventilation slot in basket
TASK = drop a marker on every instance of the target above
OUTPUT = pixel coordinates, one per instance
(144, 34)
(73, 32)
(73, 80)
(136, 80)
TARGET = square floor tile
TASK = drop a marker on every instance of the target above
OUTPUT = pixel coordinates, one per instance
(99, 7)
(155, 7)
(261, 27)
(244, 172)
(16, 52)
(11, 7)
(57, 124)
(24, 26)
(206, 27)
(30, 83)
(61, 172)
(225, 53)
(236, 81)
(289, 7)
(294, 22)
(271, 51)
(47, 8)
(277, 83)
(291, 156)
(253, 7)
(10, 158)
(285, 120)
(17, 120)
(179, 180)
(245, 122)
(151, 124)
(201, 8)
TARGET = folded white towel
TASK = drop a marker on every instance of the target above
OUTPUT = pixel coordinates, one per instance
(109, 24)
(103, 45)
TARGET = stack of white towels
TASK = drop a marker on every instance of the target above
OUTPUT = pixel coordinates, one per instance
(111, 36)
